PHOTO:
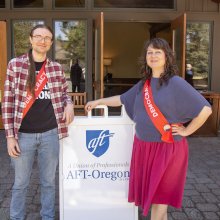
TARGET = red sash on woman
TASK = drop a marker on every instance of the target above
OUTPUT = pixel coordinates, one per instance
(156, 116)
(41, 80)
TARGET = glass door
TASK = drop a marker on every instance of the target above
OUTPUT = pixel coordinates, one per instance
(70, 51)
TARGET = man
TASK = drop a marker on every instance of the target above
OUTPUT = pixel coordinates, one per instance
(36, 111)
(189, 74)
(75, 76)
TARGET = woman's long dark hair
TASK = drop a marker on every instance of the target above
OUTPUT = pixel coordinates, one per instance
(31, 81)
(170, 68)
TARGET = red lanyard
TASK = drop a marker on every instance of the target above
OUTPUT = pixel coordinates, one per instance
(156, 116)
(41, 80)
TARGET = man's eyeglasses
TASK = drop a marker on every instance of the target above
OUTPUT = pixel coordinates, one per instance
(40, 38)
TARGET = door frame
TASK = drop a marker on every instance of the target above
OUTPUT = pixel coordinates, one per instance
(179, 25)
(3, 62)
(98, 56)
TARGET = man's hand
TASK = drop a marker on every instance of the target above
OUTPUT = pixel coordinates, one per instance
(68, 114)
(13, 147)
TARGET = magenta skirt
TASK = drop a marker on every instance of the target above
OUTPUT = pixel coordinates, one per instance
(158, 173)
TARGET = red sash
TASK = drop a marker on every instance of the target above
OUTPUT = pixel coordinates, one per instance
(156, 116)
(41, 80)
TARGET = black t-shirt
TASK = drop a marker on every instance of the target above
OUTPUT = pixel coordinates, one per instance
(41, 116)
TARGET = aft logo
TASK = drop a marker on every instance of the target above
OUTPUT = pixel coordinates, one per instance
(97, 141)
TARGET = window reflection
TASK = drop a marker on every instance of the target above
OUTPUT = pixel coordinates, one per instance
(28, 3)
(198, 53)
(69, 3)
(134, 4)
(2, 3)
(70, 46)
(21, 33)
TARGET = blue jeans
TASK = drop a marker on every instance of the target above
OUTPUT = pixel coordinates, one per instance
(46, 144)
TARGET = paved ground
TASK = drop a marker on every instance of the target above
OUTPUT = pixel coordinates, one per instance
(201, 196)
(6, 182)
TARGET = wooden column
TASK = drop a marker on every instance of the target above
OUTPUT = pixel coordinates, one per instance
(3, 62)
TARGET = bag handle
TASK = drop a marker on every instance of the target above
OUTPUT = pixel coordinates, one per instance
(100, 107)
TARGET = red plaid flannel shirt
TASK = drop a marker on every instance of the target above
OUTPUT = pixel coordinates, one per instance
(15, 93)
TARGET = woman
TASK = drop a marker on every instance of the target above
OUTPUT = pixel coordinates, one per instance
(159, 105)
(36, 111)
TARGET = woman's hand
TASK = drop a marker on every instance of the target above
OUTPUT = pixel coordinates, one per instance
(91, 105)
(179, 130)
(68, 114)
(112, 101)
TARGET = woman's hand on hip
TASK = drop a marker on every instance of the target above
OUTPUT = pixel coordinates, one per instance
(179, 130)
